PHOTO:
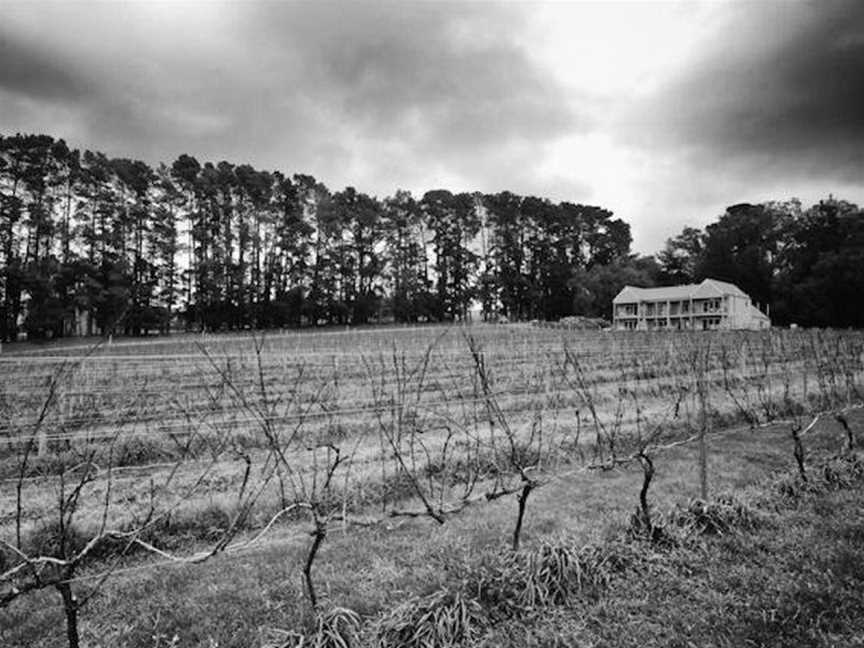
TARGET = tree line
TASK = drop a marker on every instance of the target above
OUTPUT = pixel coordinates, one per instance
(805, 265)
(97, 245)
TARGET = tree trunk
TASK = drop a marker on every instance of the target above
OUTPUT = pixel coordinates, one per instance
(70, 609)
(520, 516)
(318, 537)
(647, 476)
(798, 453)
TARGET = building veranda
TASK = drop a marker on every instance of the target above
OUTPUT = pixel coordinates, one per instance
(709, 305)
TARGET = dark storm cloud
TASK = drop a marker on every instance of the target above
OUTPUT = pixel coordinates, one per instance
(781, 89)
(444, 77)
(341, 90)
(34, 71)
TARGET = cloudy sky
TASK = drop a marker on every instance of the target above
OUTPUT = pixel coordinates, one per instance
(662, 112)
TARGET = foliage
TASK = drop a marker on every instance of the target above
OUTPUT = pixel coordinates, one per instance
(805, 265)
(722, 515)
(445, 619)
(335, 627)
(95, 245)
(557, 571)
(269, 436)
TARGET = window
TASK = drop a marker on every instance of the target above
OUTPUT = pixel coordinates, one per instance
(710, 323)
(707, 306)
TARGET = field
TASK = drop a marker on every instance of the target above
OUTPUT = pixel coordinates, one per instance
(236, 490)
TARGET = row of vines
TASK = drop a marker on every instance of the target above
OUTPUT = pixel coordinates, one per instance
(185, 449)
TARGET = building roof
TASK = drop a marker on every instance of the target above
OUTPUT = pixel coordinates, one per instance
(707, 289)
(756, 313)
(725, 287)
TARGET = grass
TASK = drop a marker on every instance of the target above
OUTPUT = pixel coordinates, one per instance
(768, 572)
(796, 581)
(242, 599)
(413, 572)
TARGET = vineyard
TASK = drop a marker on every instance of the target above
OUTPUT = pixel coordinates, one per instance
(120, 459)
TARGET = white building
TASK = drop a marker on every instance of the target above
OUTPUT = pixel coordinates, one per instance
(706, 306)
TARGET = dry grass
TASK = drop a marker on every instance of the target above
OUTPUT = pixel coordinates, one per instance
(236, 599)
(410, 580)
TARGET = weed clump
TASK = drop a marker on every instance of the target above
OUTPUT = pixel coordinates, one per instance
(498, 582)
(50, 539)
(793, 487)
(833, 473)
(505, 585)
(841, 471)
(642, 529)
(137, 451)
(445, 618)
(717, 517)
(336, 627)
(555, 573)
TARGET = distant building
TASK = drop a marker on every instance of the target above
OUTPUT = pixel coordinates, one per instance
(706, 306)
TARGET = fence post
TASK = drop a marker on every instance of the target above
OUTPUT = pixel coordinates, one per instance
(704, 424)
(42, 442)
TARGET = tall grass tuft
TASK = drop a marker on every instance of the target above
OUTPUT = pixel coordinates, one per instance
(48, 538)
(443, 619)
(643, 530)
(557, 572)
(841, 471)
(336, 627)
(554, 573)
(833, 473)
(714, 517)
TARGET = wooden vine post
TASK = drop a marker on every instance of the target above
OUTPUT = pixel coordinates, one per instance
(705, 419)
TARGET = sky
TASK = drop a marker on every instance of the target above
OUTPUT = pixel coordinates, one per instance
(665, 113)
